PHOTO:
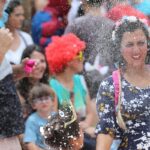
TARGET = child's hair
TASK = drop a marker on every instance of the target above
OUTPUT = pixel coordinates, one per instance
(62, 127)
(40, 90)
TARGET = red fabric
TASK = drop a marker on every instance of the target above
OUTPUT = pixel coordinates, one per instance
(52, 11)
(62, 6)
(43, 40)
(50, 27)
(120, 10)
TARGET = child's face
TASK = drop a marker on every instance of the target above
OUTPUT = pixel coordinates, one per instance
(43, 104)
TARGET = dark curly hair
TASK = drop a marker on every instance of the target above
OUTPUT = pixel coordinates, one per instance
(126, 25)
(58, 132)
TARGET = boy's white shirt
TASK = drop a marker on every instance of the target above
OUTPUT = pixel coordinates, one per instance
(5, 68)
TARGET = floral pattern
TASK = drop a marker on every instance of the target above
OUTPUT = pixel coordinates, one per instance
(135, 110)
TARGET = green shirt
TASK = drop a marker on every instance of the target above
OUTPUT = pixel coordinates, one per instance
(79, 91)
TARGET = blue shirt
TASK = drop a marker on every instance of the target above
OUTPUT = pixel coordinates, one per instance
(32, 130)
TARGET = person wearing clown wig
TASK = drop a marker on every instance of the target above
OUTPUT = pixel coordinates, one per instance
(65, 60)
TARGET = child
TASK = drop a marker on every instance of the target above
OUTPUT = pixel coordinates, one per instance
(43, 100)
(62, 132)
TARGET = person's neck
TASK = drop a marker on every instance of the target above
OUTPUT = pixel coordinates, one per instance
(139, 77)
(12, 30)
(44, 114)
(139, 71)
(66, 78)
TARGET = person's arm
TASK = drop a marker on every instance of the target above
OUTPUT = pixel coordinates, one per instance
(107, 127)
(5, 42)
(77, 142)
(103, 142)
(89, 115)
(74, 27)
(90, 131)
(19, 72)
(32, 146)
(55, 108)
(90, 120)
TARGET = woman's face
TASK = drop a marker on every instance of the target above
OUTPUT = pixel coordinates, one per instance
(77, 63)
(16, 18)
(39, 71)
(134, 48)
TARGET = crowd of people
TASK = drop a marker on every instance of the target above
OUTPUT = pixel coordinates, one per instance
(74, 75)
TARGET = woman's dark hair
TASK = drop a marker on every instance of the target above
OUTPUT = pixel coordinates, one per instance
(25, 85)
(33, 9)
(94, 2)
(12, 5)
(127, 25)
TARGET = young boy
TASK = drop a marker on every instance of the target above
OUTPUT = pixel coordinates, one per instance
(43, 100)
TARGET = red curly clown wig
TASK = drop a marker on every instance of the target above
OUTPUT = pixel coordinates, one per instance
(62, 50)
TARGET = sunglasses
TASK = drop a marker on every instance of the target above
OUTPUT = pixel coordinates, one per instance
(42, 99)
(80, 56)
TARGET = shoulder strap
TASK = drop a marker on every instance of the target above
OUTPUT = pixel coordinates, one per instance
(117, 86)
(116, 78)
(23, 38)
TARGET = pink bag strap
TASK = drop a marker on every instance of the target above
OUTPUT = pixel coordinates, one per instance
(116, 78)
(117, 85)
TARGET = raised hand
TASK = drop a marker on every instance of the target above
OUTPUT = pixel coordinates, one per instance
(20, 71)
(6, 39)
